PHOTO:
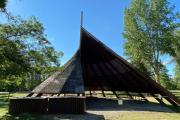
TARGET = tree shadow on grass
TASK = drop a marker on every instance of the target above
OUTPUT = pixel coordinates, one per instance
(26, 116)
(104, 104)
(86, 116)
(4, 105)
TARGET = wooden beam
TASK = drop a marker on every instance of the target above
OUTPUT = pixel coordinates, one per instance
(116, 94)
(130, 96)
(141, 95)
(30, 94)
(90, 92)
(103, 93)
(39, 94)
(158, 99)
(171, 98)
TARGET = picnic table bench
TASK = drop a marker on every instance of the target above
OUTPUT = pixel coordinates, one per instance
(5, 93)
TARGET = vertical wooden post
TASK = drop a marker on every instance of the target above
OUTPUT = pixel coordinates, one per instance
(90, 93)
(8, 96)
(30, 94)
(129, 95)
(115, 94)
(103, 93)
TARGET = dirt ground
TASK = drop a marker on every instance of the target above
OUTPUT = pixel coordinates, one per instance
(108, 109)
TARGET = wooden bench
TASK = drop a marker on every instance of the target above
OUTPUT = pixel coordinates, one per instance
(29, 105)
(67, 105)
(53, 105)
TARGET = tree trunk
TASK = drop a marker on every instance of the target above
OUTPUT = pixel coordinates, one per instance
(156, 76)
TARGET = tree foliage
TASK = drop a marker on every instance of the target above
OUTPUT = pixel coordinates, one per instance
(24, 51)
(149, 32)
(3, 4)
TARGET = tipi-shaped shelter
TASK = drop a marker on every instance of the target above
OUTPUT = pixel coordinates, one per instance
(96, 67)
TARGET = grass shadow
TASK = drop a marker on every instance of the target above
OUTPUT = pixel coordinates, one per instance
(86, 116)
(24, 116)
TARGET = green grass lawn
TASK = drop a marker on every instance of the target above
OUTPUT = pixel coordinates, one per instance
(100, 115)
(4, 101)
(176, 93)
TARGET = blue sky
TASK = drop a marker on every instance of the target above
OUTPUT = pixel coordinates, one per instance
(61, 19)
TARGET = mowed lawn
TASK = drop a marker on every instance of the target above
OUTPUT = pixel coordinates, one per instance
(162, 113)
(4, 101)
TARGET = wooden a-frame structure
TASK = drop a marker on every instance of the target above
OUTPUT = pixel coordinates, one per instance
(96, 67)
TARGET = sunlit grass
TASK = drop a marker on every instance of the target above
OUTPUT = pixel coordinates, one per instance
(4, 101)
(3, 108)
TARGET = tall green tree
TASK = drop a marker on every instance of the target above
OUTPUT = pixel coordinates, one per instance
(175, 53)
(149, 32)
(24, 51)
(165, 79)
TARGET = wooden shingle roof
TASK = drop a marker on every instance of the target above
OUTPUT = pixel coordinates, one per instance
(68, 80)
